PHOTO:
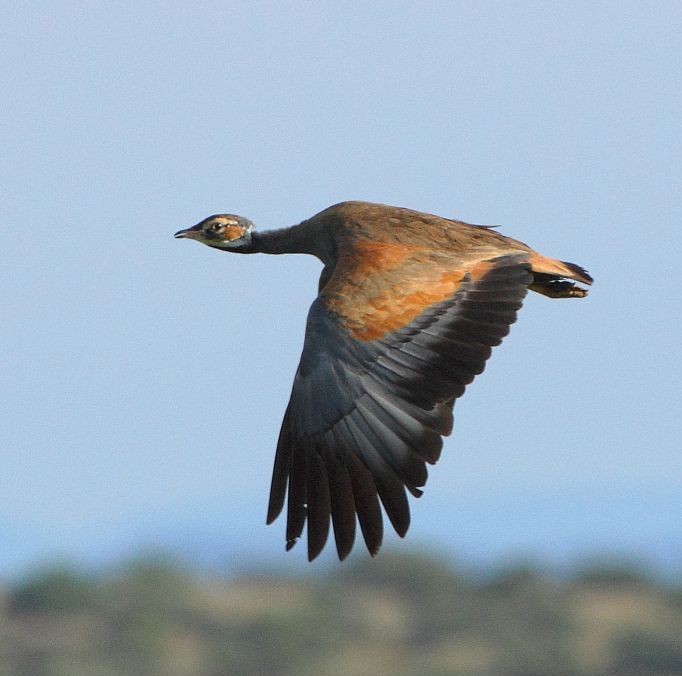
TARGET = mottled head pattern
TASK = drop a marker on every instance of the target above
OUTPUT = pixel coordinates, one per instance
(222, 231)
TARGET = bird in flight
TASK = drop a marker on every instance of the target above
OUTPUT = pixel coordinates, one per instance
(408, 310)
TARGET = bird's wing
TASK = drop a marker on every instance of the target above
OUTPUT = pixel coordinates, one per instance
(382, 364)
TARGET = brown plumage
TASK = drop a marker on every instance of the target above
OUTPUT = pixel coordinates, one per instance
(409, 308)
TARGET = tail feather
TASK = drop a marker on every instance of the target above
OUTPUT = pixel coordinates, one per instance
(551, 266)
(579, 274)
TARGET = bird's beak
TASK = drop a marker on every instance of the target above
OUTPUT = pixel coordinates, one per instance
(190, 233)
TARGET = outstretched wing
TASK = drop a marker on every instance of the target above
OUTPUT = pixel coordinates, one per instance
(373, 396)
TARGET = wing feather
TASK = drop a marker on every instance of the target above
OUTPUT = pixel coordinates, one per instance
(342, 502)
(318, 508)
(366, 498)
(280, 471)
(399, 456)
(365, 416)
(390, 488)
(298, 491)
(416, 440)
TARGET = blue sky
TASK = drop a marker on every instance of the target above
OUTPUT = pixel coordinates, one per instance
(143, 379)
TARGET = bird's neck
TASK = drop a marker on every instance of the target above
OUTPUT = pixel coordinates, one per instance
(282, 241)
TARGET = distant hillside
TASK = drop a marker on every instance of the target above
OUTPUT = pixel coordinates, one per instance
(398, 615)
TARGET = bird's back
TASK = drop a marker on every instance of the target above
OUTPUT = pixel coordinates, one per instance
(348, 222)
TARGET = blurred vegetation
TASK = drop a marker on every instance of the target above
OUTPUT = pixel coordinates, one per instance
(397, 614)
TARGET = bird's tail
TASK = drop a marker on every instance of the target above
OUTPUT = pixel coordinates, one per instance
(550, 266)
(550, 277)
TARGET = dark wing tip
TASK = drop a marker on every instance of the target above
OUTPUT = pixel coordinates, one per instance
(318, 507)
(273, 512)
(343, 554)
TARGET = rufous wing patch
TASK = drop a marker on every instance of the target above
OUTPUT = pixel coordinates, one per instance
(378, 288)
(480, 270)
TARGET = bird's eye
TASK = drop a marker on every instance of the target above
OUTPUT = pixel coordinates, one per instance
(217, 227)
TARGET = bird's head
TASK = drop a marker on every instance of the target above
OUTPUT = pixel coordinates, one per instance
(223, 231)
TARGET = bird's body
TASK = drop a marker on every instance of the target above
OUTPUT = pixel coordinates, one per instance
(409, 307)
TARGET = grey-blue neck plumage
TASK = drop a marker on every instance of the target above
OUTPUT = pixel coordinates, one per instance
(281, 241)
(294, 239)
